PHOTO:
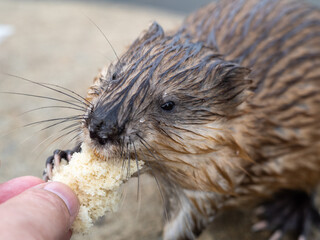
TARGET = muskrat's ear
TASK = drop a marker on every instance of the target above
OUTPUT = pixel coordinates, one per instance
(154, 32)
(231, 85)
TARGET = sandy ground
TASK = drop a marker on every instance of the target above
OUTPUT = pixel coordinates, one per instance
(54, 42)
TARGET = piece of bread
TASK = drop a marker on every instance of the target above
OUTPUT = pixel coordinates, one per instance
(96, 183)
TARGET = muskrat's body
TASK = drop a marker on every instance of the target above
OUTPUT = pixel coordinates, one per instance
(278, 125)
(224, 110)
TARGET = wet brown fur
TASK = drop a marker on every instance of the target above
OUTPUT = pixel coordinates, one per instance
(245, 76)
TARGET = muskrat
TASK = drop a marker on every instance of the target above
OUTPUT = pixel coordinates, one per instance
(224, 111)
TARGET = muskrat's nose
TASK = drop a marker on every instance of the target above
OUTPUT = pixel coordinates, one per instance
(96, 137)
(105, 131)
(103, 125)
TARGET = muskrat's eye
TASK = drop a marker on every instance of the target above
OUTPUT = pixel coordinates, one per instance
(114, 76)
(168, 106)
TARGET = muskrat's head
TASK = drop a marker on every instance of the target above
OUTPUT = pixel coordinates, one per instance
(166, 100)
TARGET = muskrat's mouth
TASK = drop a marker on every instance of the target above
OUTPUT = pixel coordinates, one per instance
(104, 153)
(115, 156)
(99, 155)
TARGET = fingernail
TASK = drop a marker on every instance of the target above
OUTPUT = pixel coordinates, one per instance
(67, 196)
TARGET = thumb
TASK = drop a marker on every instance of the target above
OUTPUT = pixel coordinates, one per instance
(44, 212)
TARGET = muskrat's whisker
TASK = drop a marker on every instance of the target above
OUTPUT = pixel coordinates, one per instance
(46, 139)
(161, 166)
(65, 128)
(161, 193)
(61, 138)
(38, 131)
(128, 171)
(49, 107)
(54, 134)
(193, 132)
(123, 162)
(70, 126)
(144, 142)
(45, 97)
(138, 177)
(64, 135)
(105, 37)
(88, 104)
(61, 130)
(58, 123)
(169, 136)
(158, 184)
(65, 119)
(181, 162)
(77, 135)
(122, 148)
(123, 156)
(149, 150)
(74, 101)
(46, 85)
(138, 169)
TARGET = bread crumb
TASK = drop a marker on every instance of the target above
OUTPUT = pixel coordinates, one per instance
(96, 183)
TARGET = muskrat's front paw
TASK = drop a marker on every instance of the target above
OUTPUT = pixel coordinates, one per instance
(289, 211)
(54, 161)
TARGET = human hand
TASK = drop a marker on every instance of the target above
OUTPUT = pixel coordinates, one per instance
(32, 209)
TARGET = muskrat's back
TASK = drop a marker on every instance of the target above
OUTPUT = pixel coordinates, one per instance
(280, 42)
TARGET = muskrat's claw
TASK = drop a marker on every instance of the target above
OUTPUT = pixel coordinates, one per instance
(289, 211)
(54, 161)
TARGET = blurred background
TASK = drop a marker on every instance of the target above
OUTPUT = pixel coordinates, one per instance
(55, 42)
